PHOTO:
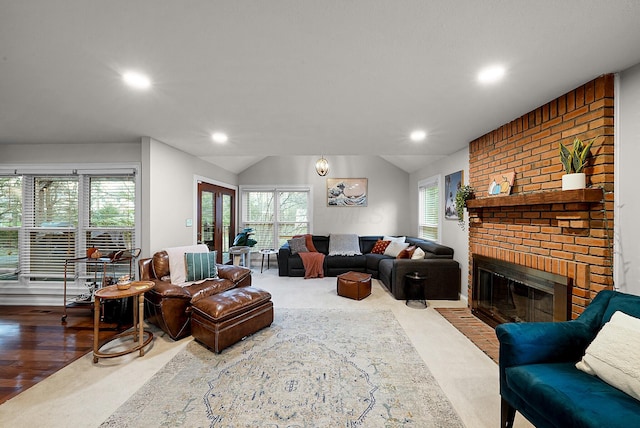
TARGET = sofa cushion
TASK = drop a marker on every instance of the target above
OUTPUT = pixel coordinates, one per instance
(570, 397)
(614, 355)
(406, 253)
(232, 302)
(431, 247)
(208, 288)
(380, 246)
(298, 245)
(357, 263)
(398, 239)
(418, 254)
(177, 268)
(308, 242)
(201, 266)
(367, 243)
(394, 248)
(344, 245)
(321, 243)
(373, 261)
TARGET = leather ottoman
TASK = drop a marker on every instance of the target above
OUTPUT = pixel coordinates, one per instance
(354, 285)
(223, 319)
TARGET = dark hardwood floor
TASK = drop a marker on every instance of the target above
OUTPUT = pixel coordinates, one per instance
(34, 343)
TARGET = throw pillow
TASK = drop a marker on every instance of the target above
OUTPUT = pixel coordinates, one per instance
(418, 254)
(298, 245)
(344, 245)
(614, 355)
(394, 249)
(380, 246)
(201, 266)
(308, 241)
(177, 268)
(398, 239)
(406, 253)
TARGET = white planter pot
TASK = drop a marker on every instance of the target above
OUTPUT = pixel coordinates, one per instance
(574, 181)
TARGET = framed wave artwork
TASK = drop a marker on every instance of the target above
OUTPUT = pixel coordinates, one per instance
(346, 192)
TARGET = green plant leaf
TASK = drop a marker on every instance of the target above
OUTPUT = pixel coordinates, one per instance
(566, 158)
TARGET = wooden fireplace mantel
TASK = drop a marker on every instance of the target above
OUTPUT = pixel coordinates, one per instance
(538, 198)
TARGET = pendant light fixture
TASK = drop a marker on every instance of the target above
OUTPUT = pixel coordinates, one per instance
(322, 166)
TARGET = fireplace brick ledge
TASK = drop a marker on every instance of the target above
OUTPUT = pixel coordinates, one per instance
(593, 195)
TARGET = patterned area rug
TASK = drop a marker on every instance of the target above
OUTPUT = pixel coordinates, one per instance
(311, 368)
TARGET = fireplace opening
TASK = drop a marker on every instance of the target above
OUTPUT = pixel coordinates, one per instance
(507, 292)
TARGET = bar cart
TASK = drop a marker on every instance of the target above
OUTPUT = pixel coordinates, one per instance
(97, 273)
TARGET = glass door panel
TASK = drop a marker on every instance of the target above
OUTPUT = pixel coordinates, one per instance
(227, 230)
(216, 219)
(207, 219)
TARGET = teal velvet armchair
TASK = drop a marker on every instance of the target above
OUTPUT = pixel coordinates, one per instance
(538, 377)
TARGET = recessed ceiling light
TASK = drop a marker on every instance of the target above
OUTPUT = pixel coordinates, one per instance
(219, 137)
(418, 135)
(491, 74)
(136, 80)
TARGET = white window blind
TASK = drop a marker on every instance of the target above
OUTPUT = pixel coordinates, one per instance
(429, 203)
(50, 225)
(276, 214)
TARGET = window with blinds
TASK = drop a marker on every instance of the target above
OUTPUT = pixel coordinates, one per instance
(429, 217)
(10, 223)
(111, 213)
(258, 213)
(275, 214)
(47, 219)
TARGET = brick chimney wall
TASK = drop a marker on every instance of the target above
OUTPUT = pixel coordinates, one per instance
(569, 239)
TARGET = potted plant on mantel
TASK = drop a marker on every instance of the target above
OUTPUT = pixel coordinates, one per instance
(463, 194)
(574, 161)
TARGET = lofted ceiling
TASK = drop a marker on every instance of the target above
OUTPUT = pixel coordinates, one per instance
(297, 77)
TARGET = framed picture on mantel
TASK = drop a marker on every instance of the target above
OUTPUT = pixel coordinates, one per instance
(501, 184)
(346, 192)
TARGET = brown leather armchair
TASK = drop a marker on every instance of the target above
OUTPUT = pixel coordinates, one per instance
(169, 306)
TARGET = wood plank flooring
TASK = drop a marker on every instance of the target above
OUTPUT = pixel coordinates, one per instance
(34, 343)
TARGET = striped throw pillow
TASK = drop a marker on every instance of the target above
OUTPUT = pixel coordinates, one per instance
(200, 266)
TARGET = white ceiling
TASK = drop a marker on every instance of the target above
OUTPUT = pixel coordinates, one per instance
(297, 77)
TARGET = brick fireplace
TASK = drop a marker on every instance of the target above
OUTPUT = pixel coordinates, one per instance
(565, 233)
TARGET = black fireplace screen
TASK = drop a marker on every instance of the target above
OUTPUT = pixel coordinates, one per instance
(505, 292)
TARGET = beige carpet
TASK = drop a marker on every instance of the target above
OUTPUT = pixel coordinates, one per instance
(84, 395)
(312, 368)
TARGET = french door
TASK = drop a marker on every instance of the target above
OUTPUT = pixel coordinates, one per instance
(216, 218)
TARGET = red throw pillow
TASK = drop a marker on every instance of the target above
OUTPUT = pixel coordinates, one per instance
(406, 253)
(380, 246)
(308, 242)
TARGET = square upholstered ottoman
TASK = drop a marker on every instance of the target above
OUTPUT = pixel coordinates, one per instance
(354, 285)
(223, 319)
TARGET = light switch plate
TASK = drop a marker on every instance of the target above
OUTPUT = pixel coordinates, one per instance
(189, 222)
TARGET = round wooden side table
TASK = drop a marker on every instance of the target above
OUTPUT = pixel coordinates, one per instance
(138, 288)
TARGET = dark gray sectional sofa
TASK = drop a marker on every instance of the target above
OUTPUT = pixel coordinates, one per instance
(443, 273)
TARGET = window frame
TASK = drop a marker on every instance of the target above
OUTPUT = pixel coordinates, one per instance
(46, 283)
(277, 223)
